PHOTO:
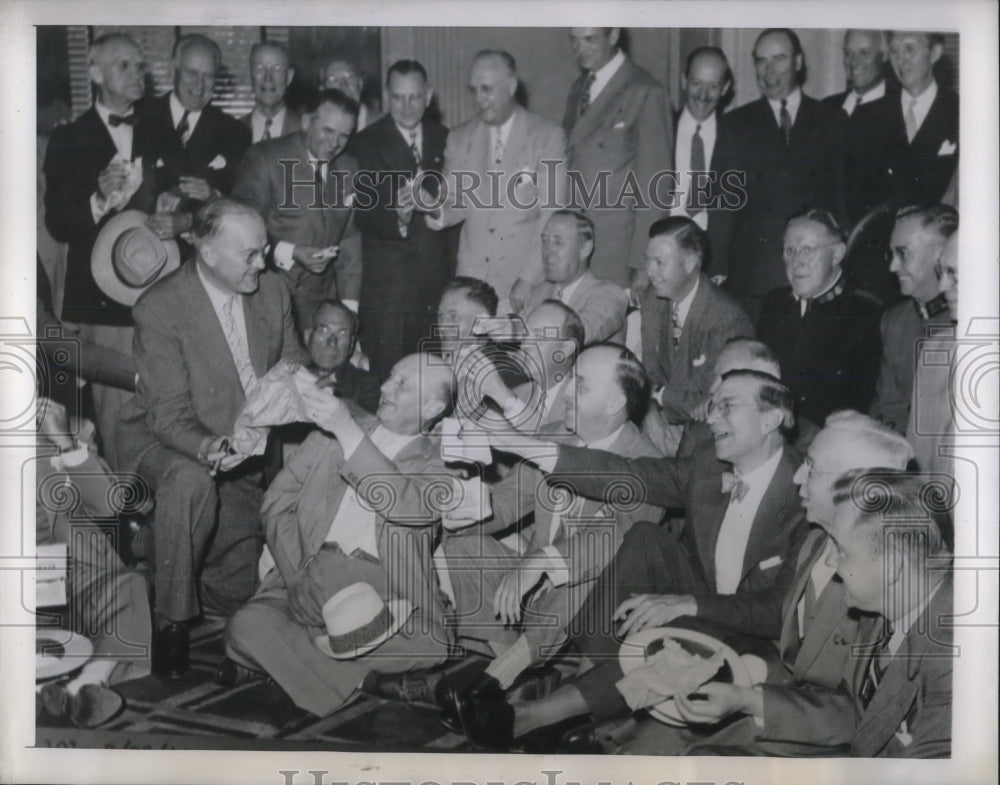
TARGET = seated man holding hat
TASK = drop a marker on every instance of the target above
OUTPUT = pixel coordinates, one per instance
(349, 522)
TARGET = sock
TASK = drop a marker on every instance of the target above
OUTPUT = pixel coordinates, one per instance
(562, 704)
(509, 665)
(94, 672)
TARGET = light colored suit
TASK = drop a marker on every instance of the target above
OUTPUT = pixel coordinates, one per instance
(600, 304)
(501, 243)
(298, 510)
(628, 132)
(291, 123)
(587, 536)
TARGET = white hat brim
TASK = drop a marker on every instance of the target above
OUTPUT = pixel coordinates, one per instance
(400, 610)
(102, 269)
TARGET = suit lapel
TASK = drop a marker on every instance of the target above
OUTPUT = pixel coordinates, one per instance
(587, 282)
(696, 315)
(258, 342)
(516, 140)
(771, 509)
(790, 632)
(101, 144)
(829, 610)
(206, 323)
(596, 113)
(712, 505)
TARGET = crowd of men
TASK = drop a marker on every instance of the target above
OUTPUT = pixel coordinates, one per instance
(532, 424)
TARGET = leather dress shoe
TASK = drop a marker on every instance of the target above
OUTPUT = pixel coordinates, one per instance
(407, 687)
(487, 719)
(232, 674)
(547, 740)
(172, 651)
(583, 740)
(92, 705)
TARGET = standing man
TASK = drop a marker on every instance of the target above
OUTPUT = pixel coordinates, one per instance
(918, 240)
(271, 73)
(619, 131)
(98, 165)
(406, 264)
(568, 243)
(345, 76)
(510, 162)
(924, 131)
(204, 336)
(823, 330)
(792, 149)
(303, 185)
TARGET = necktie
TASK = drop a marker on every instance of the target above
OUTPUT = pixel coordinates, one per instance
(238, 346)
(675, 326)
(267, 128)
(876, 666)
(697, 163)
(785, 121)
(184, 128)
(497, 147)
(803, 306)
(851, 103)
(733, 485)
(911, 120)
(559, 294)
(115, 120)
(414, 150)
(585, 92)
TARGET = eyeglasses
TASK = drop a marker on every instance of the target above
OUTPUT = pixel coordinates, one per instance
(277, 71)
(804, 252)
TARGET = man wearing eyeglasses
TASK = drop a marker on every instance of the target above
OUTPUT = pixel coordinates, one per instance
(346, 76)
(270, 75)
(823, 330)
(204, 337)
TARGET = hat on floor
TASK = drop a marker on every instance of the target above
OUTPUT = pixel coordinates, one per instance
(358, 620)
(128, 257)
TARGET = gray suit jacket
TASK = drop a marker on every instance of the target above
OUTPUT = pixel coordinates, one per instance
(628, 132)
(291, 123)
(500, 242)
(600, 304)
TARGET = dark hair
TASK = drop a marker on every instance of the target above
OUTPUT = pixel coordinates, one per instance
(505, 56)
(796, 47)
(476, 290)
(207, 221)
(330, 302)
(726, 96)
(771, 394)
(329, 95)
(942, 218)
(755, 350)
(572, 326)
(633, 380)
(821, 216)
(270, 45)
(191, 40)
(405, 68)
(686, 233)
(916, 506)
(933, 39)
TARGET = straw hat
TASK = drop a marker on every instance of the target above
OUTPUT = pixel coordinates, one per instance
(128, 257)
(358, 620)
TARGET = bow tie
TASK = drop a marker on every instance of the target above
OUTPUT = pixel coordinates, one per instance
(115, 120)
(734, 486)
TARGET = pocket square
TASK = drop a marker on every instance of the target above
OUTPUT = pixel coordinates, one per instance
(159, 163)
(219, 162)
(767, 564)
(619, 124)
(947, 148)
(699, 361)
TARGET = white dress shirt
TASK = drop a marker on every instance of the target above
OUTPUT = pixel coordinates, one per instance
(921, 103)
(258, 121)
(792, 102)
(177, 112)
(604, 74)
(564, 292)
(852, 101)
(122, 137)
(683, 306)
(731, 546)
(686, 127)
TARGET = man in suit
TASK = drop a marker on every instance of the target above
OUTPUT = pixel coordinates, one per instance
(87, 174)
(924, 129)
(568, 243)
(791, 148)
(918, 239)
(708, 87)
(894, 700)
(271, 73)
(743, 526)
(352, 505)
(465, 304)
(303, 185)
(823, 330)
(330, 340)
(204, 336)
(515, 161)
(619, 129)
(406, 264)
(206, 143)
(686, 320)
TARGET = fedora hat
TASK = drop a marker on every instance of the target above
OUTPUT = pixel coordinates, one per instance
(128, 257)
(358, 620)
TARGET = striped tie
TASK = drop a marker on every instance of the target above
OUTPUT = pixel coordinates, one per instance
(238, 346)
(267, 128)
(585, 92)
(184, 128)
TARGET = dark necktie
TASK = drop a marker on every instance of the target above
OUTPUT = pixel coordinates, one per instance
(115, 120)
(697, 164)
(785, 122)
(184, 128)
(267, 128)
(414, 150)
(876, 666)
(585, 93)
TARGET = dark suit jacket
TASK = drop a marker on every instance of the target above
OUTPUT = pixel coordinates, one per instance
(627, 131)
(920, 171)
(687, 373)
(696, 485)
(403, 275)
(188, 386)
(829, 357)
(292, 122)
(77, 153)
(780, 181)
(214, 150)
(910, 713)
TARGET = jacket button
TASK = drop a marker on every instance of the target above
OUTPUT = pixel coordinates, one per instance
(837, 639)
(492, 230)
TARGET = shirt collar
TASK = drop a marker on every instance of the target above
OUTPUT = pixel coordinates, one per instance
(902, 626)
(504, 128)
(792, 102)
(216, 294)
(177, 111)
(568, 289)
(390, 443)
(832, 292)
(603, 74)
(688, 123)
(878, 91)
(931, 308)
(761, 476)
(922, 101)
(682, 307)
(104, 113)
(607, 441)
(277, 119)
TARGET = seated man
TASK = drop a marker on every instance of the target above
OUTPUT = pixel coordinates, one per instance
(536, 595)
(686, 320)
(464, 303)
(330, 340)
(567, 245)
(351, 506)
(894, 701)
(823, 330)
(743, 526)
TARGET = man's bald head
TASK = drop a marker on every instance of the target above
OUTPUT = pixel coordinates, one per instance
(418, 393)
